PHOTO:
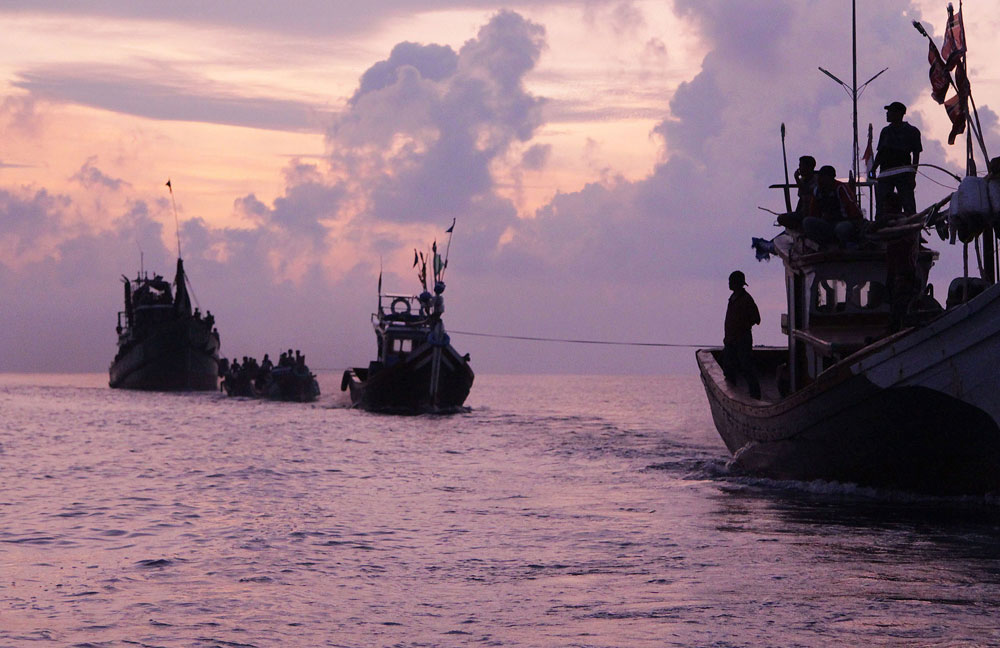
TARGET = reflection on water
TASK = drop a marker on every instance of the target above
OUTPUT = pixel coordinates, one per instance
(557, 511)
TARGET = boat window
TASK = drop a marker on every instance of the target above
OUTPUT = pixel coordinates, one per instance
(401, 345)
(831, 295)
(867, 295)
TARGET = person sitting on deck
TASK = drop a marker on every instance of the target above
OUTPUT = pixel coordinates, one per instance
(737, 351)
(805, 178)
(833, 214)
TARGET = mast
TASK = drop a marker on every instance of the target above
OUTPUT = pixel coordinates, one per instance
(854, 86)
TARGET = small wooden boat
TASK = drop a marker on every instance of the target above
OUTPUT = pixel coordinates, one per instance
(293, 383)
(286, 382)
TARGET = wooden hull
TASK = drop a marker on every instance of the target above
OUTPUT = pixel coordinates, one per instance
(917, 411)
(406, 387)
(291, 385)
(182, 355)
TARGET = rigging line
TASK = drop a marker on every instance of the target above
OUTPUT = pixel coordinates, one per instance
(940, 184)
(571, 341)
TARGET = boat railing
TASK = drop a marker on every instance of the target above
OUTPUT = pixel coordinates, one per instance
(394, 307)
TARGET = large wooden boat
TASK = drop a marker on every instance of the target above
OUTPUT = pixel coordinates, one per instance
(162, 344)
(847, 401)
(417, 369)
(864, 392)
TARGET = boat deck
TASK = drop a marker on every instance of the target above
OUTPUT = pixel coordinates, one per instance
(767, 361)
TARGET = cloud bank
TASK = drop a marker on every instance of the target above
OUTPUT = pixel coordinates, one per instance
(433, 133)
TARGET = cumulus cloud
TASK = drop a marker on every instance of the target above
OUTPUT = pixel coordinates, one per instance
(90, 176)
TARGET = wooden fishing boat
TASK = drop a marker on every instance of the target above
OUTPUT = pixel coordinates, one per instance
(865, 391)
(417, 369)
(845, 401)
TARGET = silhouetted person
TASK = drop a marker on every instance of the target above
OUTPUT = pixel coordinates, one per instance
(737, 351)
(833, 213)
(805, 179)
(898, 146)
(266, 364)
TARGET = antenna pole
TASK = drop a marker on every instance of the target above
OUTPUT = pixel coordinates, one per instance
(854, 87)
(177, 224)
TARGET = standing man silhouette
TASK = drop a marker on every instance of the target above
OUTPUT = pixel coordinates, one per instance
(898, 147)
(737, 351)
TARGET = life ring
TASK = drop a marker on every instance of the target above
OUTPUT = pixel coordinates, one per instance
(400, 300)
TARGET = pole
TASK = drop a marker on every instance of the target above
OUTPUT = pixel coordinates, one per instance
(854, 87)
(784, 158)
(447, 250)
(177, 224)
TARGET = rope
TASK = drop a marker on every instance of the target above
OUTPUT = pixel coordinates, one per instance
(940, 184)
(571, 341)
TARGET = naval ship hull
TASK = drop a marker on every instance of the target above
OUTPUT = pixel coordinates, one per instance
(181, 355)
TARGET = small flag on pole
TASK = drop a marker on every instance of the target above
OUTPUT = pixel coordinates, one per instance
(450, 229)
(170, 186)
(954, 38)
(869, 156)
(940, 79)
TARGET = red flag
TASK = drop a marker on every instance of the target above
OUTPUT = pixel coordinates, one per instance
(954, 38)
(958, 104)
(940, 79)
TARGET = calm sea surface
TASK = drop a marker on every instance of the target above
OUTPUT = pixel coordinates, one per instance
(558, 511)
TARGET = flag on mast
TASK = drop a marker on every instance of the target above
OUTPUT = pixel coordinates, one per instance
(940, 79)
(869, 157)
(954, 38)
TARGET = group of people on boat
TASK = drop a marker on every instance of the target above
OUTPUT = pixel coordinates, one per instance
(827, 214)
(827, 211)
(251, 376)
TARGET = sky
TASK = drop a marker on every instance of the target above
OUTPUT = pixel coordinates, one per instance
(603, 160)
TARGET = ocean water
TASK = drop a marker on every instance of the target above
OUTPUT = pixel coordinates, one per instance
(556, 511)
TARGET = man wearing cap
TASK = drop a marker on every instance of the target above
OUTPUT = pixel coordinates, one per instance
(737, 351)
(898, 146)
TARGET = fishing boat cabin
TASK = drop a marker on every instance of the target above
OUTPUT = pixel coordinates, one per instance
(840, 301)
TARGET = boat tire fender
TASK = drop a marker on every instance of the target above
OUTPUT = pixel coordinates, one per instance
(405, 310)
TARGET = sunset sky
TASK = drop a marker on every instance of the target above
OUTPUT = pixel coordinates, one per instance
(604, 161)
